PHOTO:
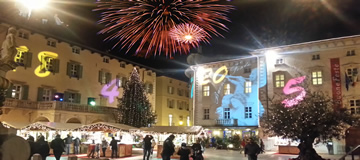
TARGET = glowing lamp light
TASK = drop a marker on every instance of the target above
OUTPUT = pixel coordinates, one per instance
(61, 99)
(34, 4)
(92, 103)
(230, 146)
(56, 96)
(181, 123)
(216, 133)
(248, 129)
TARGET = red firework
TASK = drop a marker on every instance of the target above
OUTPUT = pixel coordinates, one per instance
(146, 24)
(190, 34)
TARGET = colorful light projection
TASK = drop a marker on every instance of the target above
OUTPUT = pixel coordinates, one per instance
(245, 107)
(110, 91)
(288, 89)
(45, 58)
(20, 51)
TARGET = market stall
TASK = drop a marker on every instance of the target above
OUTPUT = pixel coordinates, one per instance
(183, 134)
(96, 132)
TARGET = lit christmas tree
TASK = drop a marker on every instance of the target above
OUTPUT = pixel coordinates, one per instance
(312, 118)
(134, 107)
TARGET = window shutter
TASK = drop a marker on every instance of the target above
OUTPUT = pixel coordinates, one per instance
(68, 69)
(40, 94)
(9, 91)
(25, 92)
(66, 96)
(108, 77)
(117, 80)
(77, 98)
(151, 88)
(53, 91)
(27, 59)
(80, 70)
(56, 65)
(100, 76)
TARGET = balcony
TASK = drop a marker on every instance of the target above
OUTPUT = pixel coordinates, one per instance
(227, 122)
(56, 105)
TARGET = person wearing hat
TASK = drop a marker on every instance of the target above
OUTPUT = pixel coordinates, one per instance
(252, 150)
(168, 148)
(184, 152)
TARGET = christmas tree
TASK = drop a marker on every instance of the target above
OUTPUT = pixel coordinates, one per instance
(315, 117)
(134, 107)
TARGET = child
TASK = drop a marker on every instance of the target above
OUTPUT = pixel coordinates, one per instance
(184, 152)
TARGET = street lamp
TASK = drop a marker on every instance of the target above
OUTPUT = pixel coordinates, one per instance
(33, 5)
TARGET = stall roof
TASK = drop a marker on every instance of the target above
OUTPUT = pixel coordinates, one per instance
(59, 126)
(174, 129)
(105, 126)
(15, 125)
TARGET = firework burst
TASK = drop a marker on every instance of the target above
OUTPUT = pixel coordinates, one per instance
(146, 24)
(189, 33)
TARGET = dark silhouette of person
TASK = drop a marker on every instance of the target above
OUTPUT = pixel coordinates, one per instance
(252, 150)
(92, 149)
(197, 150)
(114, 148)
(168, 148)
(33, 146)
(43, 147)
(147, 146)
(58, 147)
(184, 152)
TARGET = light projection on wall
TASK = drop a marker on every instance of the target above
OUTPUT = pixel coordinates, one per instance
(288, 89)
(110, 91)
(45, 58)
(20, 51)
(192, 87)
(244, 107)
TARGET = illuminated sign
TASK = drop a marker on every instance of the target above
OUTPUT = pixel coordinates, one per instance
(45, 58)
(336, 82)
(288, 89)
(110, 91)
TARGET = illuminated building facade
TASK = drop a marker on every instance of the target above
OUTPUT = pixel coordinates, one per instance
(173, 106)
(61, 81)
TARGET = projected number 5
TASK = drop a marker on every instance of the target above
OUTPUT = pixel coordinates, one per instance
(45, 58)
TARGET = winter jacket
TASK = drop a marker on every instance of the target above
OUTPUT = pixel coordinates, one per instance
(252, 149)
(77, 142)
(44, 148)
(147, 142)
(57, 145)
(184, 153)
(113, 144)
(104, 144)
(68, 140)
(168, 148)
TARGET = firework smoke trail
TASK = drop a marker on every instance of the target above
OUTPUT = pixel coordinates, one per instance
(147, 23)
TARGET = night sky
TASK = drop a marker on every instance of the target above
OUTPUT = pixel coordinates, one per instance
(255, 24)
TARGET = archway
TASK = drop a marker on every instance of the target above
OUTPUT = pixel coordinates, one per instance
(73, 120)
(42, 119)
(98, 120)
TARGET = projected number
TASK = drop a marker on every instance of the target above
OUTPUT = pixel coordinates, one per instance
(207, 75)
(288, 89)
(45, 58)
(110, 91)
(216, 74)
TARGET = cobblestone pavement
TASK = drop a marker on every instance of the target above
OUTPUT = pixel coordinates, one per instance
(212, 154)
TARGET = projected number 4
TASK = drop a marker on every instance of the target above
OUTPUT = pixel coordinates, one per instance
(110, 91)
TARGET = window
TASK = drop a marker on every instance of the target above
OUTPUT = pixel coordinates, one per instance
(279, 61)
(186, 93)
(226, 113)
(74, 69)
(248, 87)
(206, 91)
(350, 72)
(180, 92)
(170, 103)
(187, 106)
(23, 58)
(227, 89)
(18, 91)
(247, 70)
(355, 106)
(72, 97)
(316, 57)
(170, 120)
(316, 77)
(103, 100)
(122, 65)
(350, 53)
(104, 77)
(148, 73)
(188, 121)
(206, 113)
(149, 88)
(106, 60)
(170, 90)
(51, 43)
(181, 105)
(23, 35)
(248, 113)
(47, 94)
(170, 81)
(279, 80)
(51, 65)
(76, 50)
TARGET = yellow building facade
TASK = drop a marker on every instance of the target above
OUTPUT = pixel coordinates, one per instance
(172, 102)
(61, 81)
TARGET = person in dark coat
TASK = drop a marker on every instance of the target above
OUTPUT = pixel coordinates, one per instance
(184, 152)
(77, 143)
(58, 147)
(197, 150)
(68, 141)
(114, 148)
(44, 148)
(252, 150)
(168, 148)
(33, 146)
(92, 149)
(147, 146)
